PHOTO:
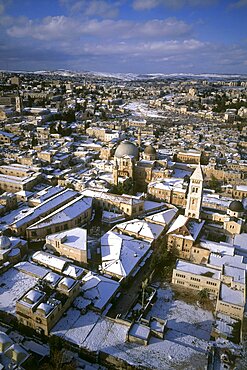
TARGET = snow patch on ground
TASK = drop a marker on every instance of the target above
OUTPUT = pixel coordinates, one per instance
(182, 317)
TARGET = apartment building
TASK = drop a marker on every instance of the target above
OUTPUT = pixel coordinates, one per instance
(71, 244)
(197, 277)
(42, 306)
(75, 213)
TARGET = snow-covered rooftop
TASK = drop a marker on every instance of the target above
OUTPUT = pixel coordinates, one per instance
(141, 228)
(74, 238)
(231, 295)
(38, 211)
(121, 253)
(49, 260)
(164, 218)
(99, 289)
(192, 268)
(66, 213)
(13, 284)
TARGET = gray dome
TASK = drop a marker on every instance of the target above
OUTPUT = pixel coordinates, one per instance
(236, 206)
(5, 243)
(127, 148)
(150, 150)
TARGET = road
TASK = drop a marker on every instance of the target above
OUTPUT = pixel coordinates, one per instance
(129, 294)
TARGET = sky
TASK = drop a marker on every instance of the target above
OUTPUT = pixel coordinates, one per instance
(135, 36)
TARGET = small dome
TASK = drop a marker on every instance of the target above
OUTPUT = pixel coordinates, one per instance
(5, 243)
(236, 206)
(149, 150)
(127, 148)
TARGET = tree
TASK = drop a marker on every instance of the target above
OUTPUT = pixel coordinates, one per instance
(144, 286)
(214, 184)
(56, 362)
(128, 186)
(203, 295)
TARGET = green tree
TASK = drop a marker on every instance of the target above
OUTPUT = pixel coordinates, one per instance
(203, 295)
(214, 184)
(144, 287)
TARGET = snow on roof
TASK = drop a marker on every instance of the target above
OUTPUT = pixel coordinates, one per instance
(215, 200)
(99, 289)
(240, 240)
(220, 260)
(73, 271)
(52, 278)
(35, 212)
(197, 174)
(16, 180)
(150, 205)
(238, 274)
(241, 187)
(49, 260)
(95, 333)
(45, 307)
(47, 193)
(13, 284)
(192, 268)
(32, 296)
(75, 238)
(194, 227)
(67, 212)
(75, 327)
(164, 217)
(67, 282)
(32, 269)
(221, 247)
(171, 183)
(232, 296)
(180, 221)
(121, 253)
(125, 199)
(141, 228)
(140, 331)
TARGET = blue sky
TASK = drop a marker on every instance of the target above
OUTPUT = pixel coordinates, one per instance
(139, 36)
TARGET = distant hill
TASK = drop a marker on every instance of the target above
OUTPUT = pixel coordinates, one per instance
(135, 76)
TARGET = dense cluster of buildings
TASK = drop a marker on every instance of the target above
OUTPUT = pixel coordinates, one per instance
(95, 177)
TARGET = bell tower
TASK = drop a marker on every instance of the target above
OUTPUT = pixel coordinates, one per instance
(194, 199)
(115, 173)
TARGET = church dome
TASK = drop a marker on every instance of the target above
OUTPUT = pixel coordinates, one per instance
(5, 243)
(150, 150)
(127, 148)
(236, 206)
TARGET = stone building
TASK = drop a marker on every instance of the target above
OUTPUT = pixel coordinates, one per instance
(194, 199)
(128, 164)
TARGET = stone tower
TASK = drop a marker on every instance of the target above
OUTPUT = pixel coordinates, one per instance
(115, 173)
(194, 199)
(18, 104)
(139, 138)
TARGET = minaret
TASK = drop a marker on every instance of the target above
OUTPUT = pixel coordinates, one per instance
(194, 198)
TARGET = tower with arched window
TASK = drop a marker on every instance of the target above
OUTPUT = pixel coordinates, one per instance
(194, 198)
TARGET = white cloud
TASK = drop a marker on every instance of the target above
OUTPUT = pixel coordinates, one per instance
(174, 4)
(64, 28)
(101, 8)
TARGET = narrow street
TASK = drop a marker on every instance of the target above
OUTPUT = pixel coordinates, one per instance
(129, 294)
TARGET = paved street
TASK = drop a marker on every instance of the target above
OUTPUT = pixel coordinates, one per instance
(129, 294)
